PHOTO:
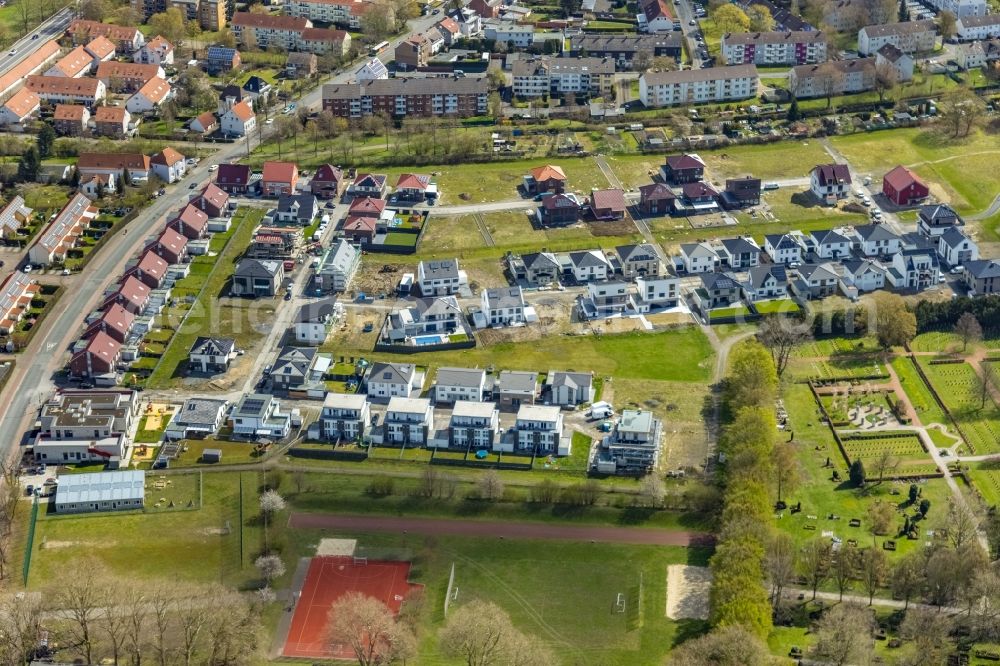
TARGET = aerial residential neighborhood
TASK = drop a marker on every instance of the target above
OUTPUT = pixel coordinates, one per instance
(500, 332)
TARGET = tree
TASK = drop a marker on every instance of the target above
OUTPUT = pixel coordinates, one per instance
(873, 571)
(495, 105)
(271, 502)
(29, 166)
(46, 137)
(960, 111)
(730, 18)
(725, 646)
(368, 627)
(927, 634)
(893, 323)
(270, 567)
(904, 14)
(760, 18)
(642, 60)
(881, 515)
(490, 486)
(479, 633)
(93, 10)
(843, 635)
(947, 25)
(983, 383)
(827, 81)
(793, 111)
(968, 329)
(785, 467)
(753, 376)
(884, 465)
(914, 493)
(844, 561)
(856, 473)
(940, 571)
(986, 613)
(779, 564)
(80, 598)
(815, 563)
(907, 578)
(25, 13)
(925, 506)
(653, 489)
(780, 335)
(20, 617)
(886, 78)
(169, 24)
(379, 20)
(961, 523)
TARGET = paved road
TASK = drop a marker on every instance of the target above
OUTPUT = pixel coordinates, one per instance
(504, 530)
(51, 28)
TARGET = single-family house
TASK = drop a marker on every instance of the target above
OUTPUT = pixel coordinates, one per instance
(873, 240)
(605, 299)
(656, 293)
(587, 266)
(258, 415)
(150, 96)
(717, 290)
(902, 187)
(656, 199)
(504, 306)
(327, 180)
(638, 260)
(864, 275)
(766, 282)
(680, 169)
(537, 268)
(558, 210)
(739, 253)
(238, 120)
(830, 182)
(204, 124)
(830, 244)
(387, 380)
(408, 422)
(196, 419)
(783, 248)
(699, 198)
(607, 204)
(301, 65)
(314, 321)
(222, 59)
(547, 178)
(570, 389)
(415, 187)
(633, 447)
(815, 280)
(168, 165)
(982, 277)
(338, 266)
(279, 178)
(257, 278)
(935, 219)
(233, 178)
(955, 248)
(211, 354)
(440, 277)
(453, 384)
(741, 192)
(368, 185)
(294, 367)
(699, 257)
(299, 209)
(514, 388)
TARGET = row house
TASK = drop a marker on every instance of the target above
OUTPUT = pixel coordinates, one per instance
(14, 216)
(402, 97)
(622, 49)
(150, 97)
(70, 119)
(698, 86)
(171, 246)
(61, 234)
(115, 321)
(134, 167)
(62, 90)
(978, 28)
(101, 49)
(16, 292)
(191, 222)
(73, 65)
(157, 51)
(213, 201)
(95, 357)
(127, 77)
(33, 63)
(132, 294)
(150, 270)
(774, 48)
(908, 37)
(127, 39)
(836, 77)
(20, 108)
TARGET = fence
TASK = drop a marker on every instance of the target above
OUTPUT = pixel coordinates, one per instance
(30, 541)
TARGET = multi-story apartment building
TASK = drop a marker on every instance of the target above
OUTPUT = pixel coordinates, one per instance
(345, 417)
(633, 447)
(837, 77)
(539, 430)
(345, 13)
(961, 8)
(414, 97)
(908, 37)
(86, 426)
(539, 77)
(978, 28)
(267, 30)
(774, 48)
(408, 422)
(698, 86)
(473, 425)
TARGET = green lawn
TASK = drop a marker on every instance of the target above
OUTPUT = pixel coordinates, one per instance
(682, 354)
(920, 396)
(777, 306)
(956, 384)
(986, 477)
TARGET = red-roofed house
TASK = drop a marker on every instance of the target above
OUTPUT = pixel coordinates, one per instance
(19, 108)
(73, 65)
(607, 204)
(279, 178)
(233, 178)
(548, 178)
(359, 229)
(414, 186)
(655, 16)
(157, 51)
(59, 237)
(171, 245)
(325, 183)
(205, 123)
(168, 165)
(132, 294)
(213, 201)
(902, 187)
(150, 96)
(127, 76)
(367, 207)
(486, 8)
(71, 119)
(100, 356)
(192, 222)
(15, 298)
(450, 30)
(116, 321)
(238, 120)
(101, 49)
(126, 39)
(680, 169)
(92, 164)
(150, 270)
(111, 121)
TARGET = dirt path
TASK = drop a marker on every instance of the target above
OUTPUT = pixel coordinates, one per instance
(504, 530)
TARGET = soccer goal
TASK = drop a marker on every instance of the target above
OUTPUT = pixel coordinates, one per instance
(360, 561)
(620, 603)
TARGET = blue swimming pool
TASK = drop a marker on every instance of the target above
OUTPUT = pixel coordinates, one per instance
(422, 340)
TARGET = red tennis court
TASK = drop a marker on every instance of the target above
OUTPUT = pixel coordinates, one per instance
(327, 580)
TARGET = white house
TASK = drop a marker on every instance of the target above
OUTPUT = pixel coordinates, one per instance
(783, 248)
(440, 277)
(345, 417)
(454, 384)
(168, 165)
(314, 321)
(699, 257)
(503, 306)
(766, 282)
(197, 417)
(830, 182)
(654, 293)
(259, 415)
(538, 429)
(149, 97)
(569, 389)
(372, 70)
(387, 380)
(830, 244)
(698, 86)
(239, 120)
(955, 248)
(913, 268)
(211, 354)
(474, 425)
(875, 240)
(864, 275)
(978, 28)
(408, 421)
(157, 51)
(587, 266)
(23, 105)
(739, 253)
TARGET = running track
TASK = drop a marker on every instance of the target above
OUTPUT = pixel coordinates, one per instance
(508, 530)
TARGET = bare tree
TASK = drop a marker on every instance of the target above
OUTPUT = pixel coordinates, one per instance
(961, 524)
(490, 486)
(881, 515)
(907, 579)
(815, 563)
(780, 336)
(844, 635)
(481, 633)
(80, 598)
(653, 489)
(886, 78)
(19, 619)
(134, 611)
(986, 614)
(160, 602)
(984, 383)
(968, 329)
(883, 465)
(779, 564)
(845, 560)
(927, 633)
(367, 626)
(873, 571)
(193, 612)
(114, 621)
(232, 629)
(940, 570)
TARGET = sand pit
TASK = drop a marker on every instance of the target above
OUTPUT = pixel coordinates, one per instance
(688, 592)
(158, 413)
(336, 547)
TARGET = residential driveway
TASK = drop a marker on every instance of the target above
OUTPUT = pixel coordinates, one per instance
(492, 207)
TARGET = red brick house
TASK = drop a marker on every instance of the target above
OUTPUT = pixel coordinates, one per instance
(656, 199)
(213, 201)
(681, 169)
(192, 222)
(116, 321)
(607, 204)
(100, 356)
(280, 178)
(171, 246)
(326, 182)
(233, 178)
(150, 270)
(902, 187)
(559, 209)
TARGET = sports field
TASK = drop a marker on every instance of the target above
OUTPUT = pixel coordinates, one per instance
(330, 578)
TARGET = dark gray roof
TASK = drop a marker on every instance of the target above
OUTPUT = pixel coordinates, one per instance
(317, 311)
(213, 346)
(781, 241)
(739, 245)
(199, 411)
(505, 297)
(718, 281)
(640, 252)
(983, 268)
(253, 405)
(875, 232)
(953, 237)
(258, 267)
(460, 376)
(829, 236)
(758, 274)
(440, 269)
(294, 362)
(392, 373)
(409, 86)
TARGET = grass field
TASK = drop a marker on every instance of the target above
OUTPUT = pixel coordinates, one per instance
(916, 390)
(908, 450)
(682, 354)
(955, 383)
(986, 477)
